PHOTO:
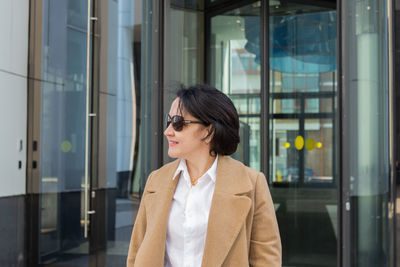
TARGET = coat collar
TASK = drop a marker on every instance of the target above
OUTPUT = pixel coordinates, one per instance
(229, 208)
(230, 177)
(182, 168)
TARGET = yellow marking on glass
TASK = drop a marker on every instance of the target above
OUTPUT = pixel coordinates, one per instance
(286, 144)
(299, 142)
(319, 144)
(310, 144)
(278, 176)
(66, 146)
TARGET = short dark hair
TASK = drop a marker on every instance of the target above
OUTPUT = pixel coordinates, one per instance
(214, 108)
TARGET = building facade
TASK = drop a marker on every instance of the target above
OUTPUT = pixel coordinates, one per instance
(86, 85)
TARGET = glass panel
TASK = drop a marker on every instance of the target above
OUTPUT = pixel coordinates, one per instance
(121, 102)
(367, 126)
(235, 70)
(184, 46)
(62, 142)
(318, 153)
(184, 57)
(283, 150)
(302, 131)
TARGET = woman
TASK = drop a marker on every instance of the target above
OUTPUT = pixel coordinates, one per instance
(205, 208)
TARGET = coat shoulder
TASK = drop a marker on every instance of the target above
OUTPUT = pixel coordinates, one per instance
(162, 175)
(238, 167)
(169, 167)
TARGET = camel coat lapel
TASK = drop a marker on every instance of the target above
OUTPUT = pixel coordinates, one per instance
(158, 201)
(229, 209)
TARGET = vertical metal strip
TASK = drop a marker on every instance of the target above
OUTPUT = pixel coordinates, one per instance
(345, 27)
(338, 132)
(86, 201)
(392, 145)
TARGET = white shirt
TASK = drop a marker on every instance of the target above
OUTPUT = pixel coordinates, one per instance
(188, 218)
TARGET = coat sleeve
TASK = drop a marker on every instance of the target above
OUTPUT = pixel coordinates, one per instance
(139, 230)
(265, 243)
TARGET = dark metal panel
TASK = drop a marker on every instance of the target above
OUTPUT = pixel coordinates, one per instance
(34, 96)
(222, 7)
(157, 82)
(264, 46)
(302, 116)
(224, 4)
(12, 225)
(151, 132)
(33, 133)
(321, 3)
(95, 95)
(303, 95)
(31, 229)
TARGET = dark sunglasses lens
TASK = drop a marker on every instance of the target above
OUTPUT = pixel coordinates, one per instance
(167, 120)
(177, 123)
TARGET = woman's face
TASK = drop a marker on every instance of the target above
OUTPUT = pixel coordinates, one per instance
(187, 143)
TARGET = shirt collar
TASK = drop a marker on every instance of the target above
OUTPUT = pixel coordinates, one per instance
(211, 172)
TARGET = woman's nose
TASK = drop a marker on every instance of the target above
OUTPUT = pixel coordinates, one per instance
(169, 131)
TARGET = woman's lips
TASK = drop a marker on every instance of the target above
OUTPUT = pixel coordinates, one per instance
(172, 143)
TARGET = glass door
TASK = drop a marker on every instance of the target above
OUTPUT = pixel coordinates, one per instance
(302, 130)
(234, 58)
(301, 113)
(64, 210)
(118, 188)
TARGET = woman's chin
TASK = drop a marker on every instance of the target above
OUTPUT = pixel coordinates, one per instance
(172, 154)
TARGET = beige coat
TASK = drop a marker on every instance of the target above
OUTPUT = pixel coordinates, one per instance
(242, 227)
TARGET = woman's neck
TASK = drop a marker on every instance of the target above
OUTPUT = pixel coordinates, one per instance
(198, 166)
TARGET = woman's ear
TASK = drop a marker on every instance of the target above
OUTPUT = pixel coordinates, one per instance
(210, 134)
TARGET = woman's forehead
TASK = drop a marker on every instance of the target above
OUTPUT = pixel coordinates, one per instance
(177, 108)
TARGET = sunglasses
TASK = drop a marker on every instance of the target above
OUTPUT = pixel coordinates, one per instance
(178, 122)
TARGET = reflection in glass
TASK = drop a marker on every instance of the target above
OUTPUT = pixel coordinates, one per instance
(62, 143)
(121, 98)
(285, 154)
(235, 70)
(184, 50)
(184, 43)
(302, 131)
(318, 153)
